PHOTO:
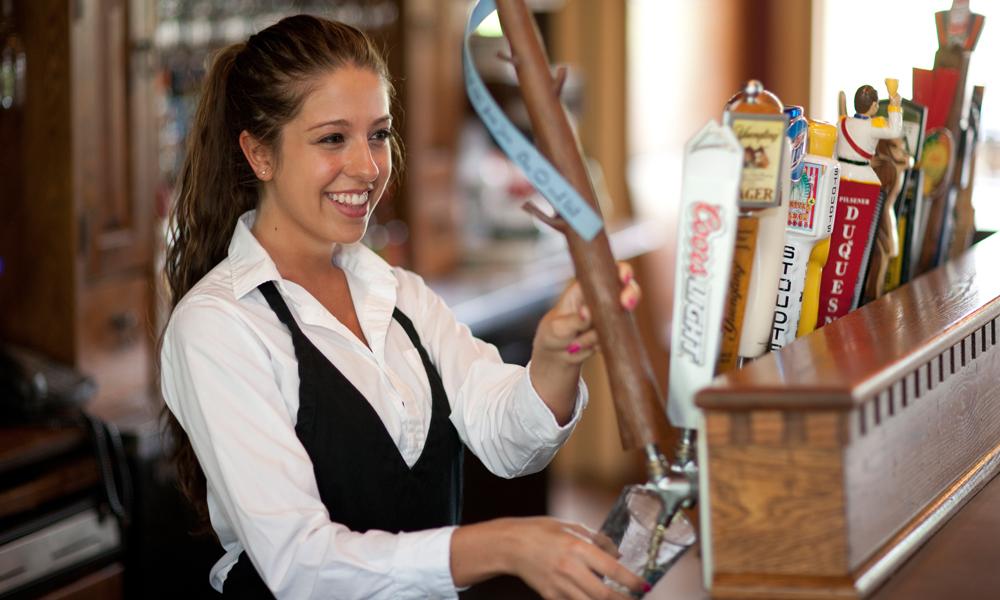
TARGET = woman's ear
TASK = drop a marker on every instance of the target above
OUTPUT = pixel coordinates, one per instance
(258, 155)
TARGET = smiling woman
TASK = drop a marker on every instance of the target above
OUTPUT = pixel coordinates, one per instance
(320, 399)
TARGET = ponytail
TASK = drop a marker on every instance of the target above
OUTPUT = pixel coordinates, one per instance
(216, 185)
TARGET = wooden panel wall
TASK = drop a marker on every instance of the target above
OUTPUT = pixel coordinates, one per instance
(777, 37)
(590, 35)
(432, 99)
(37, 288)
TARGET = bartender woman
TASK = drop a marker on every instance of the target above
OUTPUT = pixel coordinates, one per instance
(319, 397)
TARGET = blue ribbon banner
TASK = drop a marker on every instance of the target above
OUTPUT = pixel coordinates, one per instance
(540, 172)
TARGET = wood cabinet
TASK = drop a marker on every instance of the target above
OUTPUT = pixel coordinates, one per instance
(80, 179)
(110, 134)
(832, 460)
(432, 95)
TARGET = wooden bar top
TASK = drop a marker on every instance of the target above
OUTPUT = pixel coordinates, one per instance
(959, 562)
(847, 362)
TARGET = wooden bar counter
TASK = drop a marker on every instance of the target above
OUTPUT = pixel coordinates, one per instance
(832, 460)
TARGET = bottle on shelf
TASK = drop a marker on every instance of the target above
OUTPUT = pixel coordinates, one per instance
(13, 62)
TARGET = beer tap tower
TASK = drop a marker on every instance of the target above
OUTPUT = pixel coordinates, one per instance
(743, 165)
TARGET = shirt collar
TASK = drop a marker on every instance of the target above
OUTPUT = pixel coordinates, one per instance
(861, 116)
(251, 265)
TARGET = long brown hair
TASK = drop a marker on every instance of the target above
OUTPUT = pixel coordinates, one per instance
(255, 86)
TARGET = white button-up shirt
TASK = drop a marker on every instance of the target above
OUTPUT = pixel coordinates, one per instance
(230, 376)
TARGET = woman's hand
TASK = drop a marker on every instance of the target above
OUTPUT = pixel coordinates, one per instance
(559, 560)
(564, 339)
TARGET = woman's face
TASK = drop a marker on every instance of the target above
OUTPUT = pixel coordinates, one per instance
(334, 161)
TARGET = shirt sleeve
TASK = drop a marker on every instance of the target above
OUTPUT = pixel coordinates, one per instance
(218, 380)
(894, 128)
(495, 408)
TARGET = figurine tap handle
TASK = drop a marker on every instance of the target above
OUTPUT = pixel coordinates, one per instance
(859, 204)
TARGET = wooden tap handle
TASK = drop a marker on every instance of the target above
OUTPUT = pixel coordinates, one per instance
(638, 403)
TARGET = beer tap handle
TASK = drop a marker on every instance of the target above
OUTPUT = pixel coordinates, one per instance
(758, 119)
(637, 400)
(706, 237)
(810, 222)
(767, 266)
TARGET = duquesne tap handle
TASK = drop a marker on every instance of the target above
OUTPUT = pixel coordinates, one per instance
(638, 404)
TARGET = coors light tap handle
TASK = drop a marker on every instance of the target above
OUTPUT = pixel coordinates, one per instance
(706, 236)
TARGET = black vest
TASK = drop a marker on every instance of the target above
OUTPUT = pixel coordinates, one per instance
(363, 480)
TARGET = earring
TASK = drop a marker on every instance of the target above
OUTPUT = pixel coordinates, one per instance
(263, 172)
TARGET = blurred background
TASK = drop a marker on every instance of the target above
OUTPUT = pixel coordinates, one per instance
(96, 98)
